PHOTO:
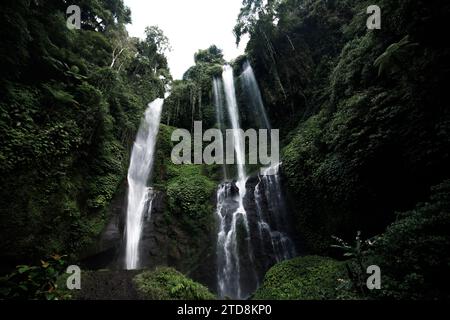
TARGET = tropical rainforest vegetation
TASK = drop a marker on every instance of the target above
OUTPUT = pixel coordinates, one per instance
(364, 122)
(70, 107)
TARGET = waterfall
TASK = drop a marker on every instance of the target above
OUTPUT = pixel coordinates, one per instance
(242, 261)
(250, 86)
(218, 103)
(139, 172)
(272, 222)
(230, 96)
(230, 202)
(227, 251)
(272, 217)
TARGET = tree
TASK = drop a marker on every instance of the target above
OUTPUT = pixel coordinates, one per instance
(251, 12)
(124, 48)
(211, 55)
(156, 40)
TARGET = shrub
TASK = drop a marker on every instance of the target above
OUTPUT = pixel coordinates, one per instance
(34, 282)
(306, 278)
(191, 195)
(413, 252)
(168, 284)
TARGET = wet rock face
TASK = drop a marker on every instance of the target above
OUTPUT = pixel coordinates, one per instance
(106, 252)
(154, 244)
(165, 241)
(189, 245)
(254, 262)
(270, 238)
(109, 251)
(234, 190)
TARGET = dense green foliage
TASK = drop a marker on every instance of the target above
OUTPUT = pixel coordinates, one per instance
(191, 98)
(306, 278)
(70, 104)
(190, 195)
(412, 251)
(365, 122)
(35, 282)
(186, 227)
(189, 188)
(168, 284)
(368, 107)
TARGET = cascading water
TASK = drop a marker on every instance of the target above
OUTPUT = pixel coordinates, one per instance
(250, 86)
(242, 261)
(218, 102)
(272, 217)
(272, 222)
(227, 253)
(139, 194)
(230, 96)
(231, 214)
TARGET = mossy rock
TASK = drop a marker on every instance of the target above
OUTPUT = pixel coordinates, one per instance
(191, 196)
(306, 278)
(165, 283)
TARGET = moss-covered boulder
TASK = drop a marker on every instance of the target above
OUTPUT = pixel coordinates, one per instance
(165, 283)
(191, 195)
(306, 278)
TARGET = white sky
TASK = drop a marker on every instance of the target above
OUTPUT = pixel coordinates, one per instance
(190, 25)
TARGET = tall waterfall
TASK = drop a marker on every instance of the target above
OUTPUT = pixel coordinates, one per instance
(218, 103)
(272, 222)
(139, 194)
(230, 96)
(253, 231)
(272, 219)
(230, 204)
(250, 86)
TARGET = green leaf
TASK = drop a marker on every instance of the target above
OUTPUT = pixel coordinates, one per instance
(21, 269)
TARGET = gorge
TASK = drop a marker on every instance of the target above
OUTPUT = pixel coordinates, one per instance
(240, 239)
(87, 176)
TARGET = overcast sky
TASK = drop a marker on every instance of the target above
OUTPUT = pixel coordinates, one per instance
(190, 25)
